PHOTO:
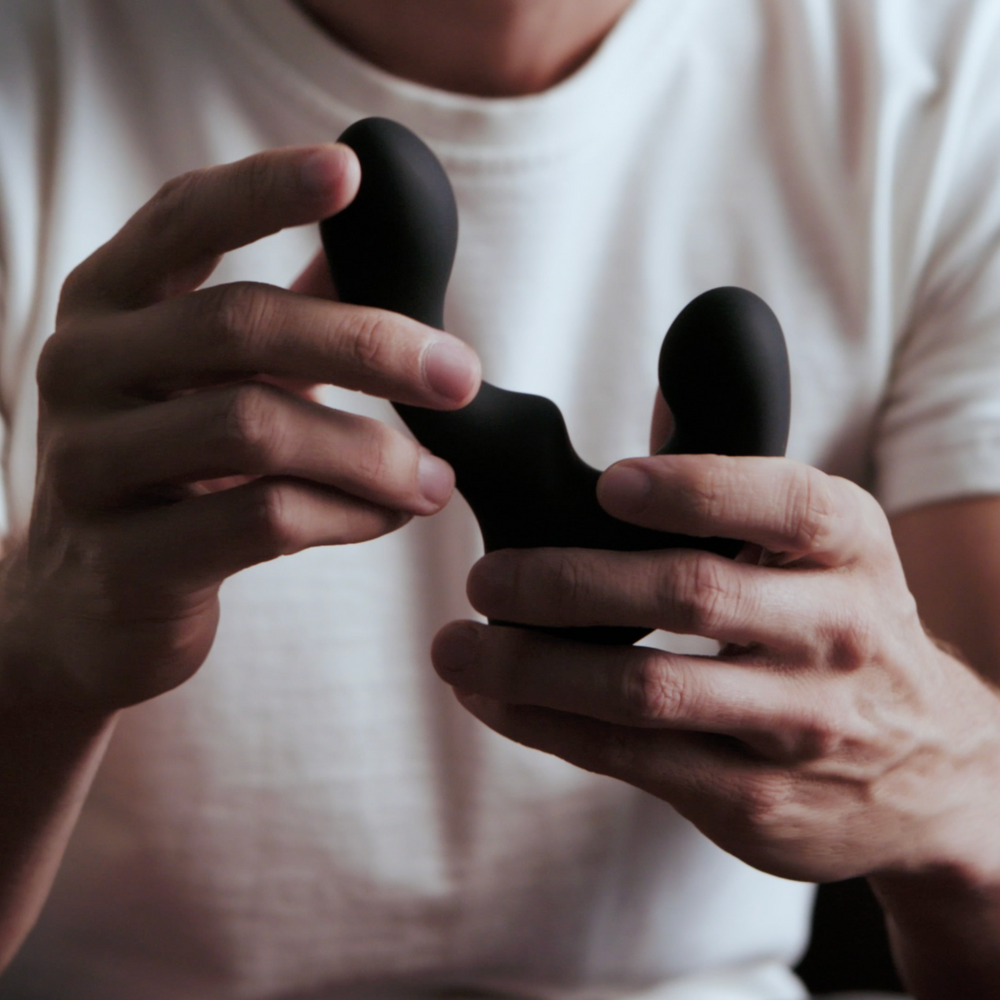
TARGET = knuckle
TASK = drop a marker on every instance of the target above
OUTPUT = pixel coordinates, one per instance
(56, 363)
(74, 288)
(172, 201)
(765, 803)
(569, 581)
(852, 644)
(370, 343)
(175, 191)
(63, 467)
(380, 457)
(241, 313)
(700, 595)
(651, 694)
(252, 426)
(273, 518)
(818, 738)
(65, 371)
(810, 509)
(705, 492)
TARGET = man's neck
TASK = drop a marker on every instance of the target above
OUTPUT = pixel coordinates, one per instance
(494, 48)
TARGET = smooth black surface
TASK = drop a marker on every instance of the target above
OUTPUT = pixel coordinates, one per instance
(394, 245)
(723, 370)
(849, 949)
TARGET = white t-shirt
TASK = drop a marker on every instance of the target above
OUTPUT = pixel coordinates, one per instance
(313, 816)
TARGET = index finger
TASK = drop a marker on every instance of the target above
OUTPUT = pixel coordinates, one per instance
(786, 507)
(229, 333)
(172, 244)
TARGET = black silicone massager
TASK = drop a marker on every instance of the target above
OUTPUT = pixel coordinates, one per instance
(723, 370)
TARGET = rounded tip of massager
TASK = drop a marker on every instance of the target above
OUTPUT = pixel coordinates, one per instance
(394, 245)
(724, 374)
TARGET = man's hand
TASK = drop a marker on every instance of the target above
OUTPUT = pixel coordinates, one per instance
(830, 737)
(154, 395)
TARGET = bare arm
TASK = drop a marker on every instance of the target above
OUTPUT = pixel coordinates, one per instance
(47, 762)
(951, 555)
(946, 928)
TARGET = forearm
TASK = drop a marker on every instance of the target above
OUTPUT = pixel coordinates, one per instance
(946, 928)
(48, 757)
(944, 923)
(47, 762)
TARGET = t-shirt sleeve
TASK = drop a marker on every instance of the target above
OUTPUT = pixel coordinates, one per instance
(938, 436)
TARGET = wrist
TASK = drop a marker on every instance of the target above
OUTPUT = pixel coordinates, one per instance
(936, 896)
(941, 897)
(37, 693)
(44, 737)
(944, 925)
(29, 708)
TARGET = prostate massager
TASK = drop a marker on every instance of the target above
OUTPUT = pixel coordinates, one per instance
(723, 371)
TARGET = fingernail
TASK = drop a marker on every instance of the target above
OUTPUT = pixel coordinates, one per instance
(450, 369)
(457, 650)
(320, 171)
(435, 478)
(624, 489)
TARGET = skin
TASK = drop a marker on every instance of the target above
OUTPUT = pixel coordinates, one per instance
(492, 48)
(187, 442)
(831, 737)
